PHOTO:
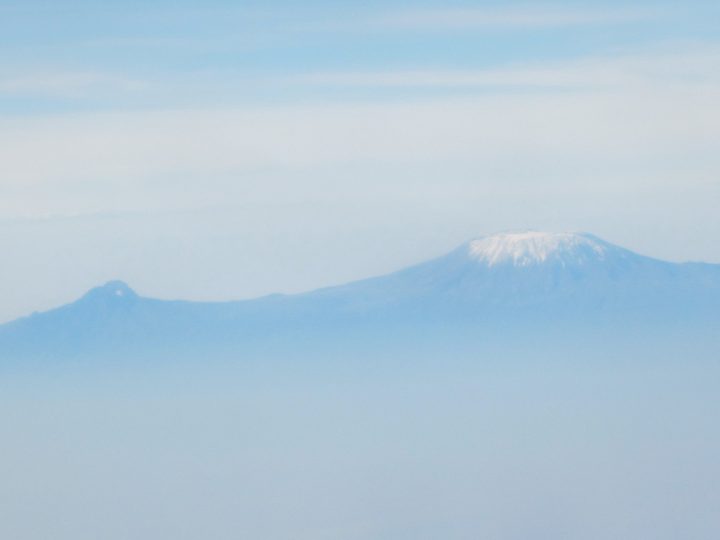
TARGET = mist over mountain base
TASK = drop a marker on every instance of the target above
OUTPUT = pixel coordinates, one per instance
(530, 440)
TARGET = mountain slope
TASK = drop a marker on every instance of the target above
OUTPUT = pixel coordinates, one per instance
(543, 271)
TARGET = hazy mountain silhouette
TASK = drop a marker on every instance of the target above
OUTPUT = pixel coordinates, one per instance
(499, 285)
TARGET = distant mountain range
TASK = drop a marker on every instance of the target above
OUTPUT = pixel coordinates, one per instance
(494, 287)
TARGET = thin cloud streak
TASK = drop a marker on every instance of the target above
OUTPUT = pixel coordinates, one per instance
(531, 16)
(661, 68)
(74, 85)
(689, 68)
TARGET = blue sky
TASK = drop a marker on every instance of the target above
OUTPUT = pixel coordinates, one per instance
(69, 56)
(227, 149)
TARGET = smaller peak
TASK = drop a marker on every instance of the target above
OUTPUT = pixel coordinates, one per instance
(112, 289)
(118, 288)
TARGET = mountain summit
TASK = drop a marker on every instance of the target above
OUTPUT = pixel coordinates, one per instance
(532, 247)
(112, 290)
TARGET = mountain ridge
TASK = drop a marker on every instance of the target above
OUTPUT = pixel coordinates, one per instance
(523, 280)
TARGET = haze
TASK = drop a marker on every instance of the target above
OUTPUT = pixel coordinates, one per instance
(519, 179)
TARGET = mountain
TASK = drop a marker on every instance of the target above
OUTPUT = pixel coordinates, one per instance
(538, 272)
(502, 285)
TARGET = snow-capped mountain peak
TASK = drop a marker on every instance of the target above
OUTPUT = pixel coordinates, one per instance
(530, 248)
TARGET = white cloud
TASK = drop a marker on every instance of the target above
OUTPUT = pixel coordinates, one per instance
(634, 108)
(103, 162)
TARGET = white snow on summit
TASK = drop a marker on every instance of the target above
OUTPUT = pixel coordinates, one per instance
(532, 247)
